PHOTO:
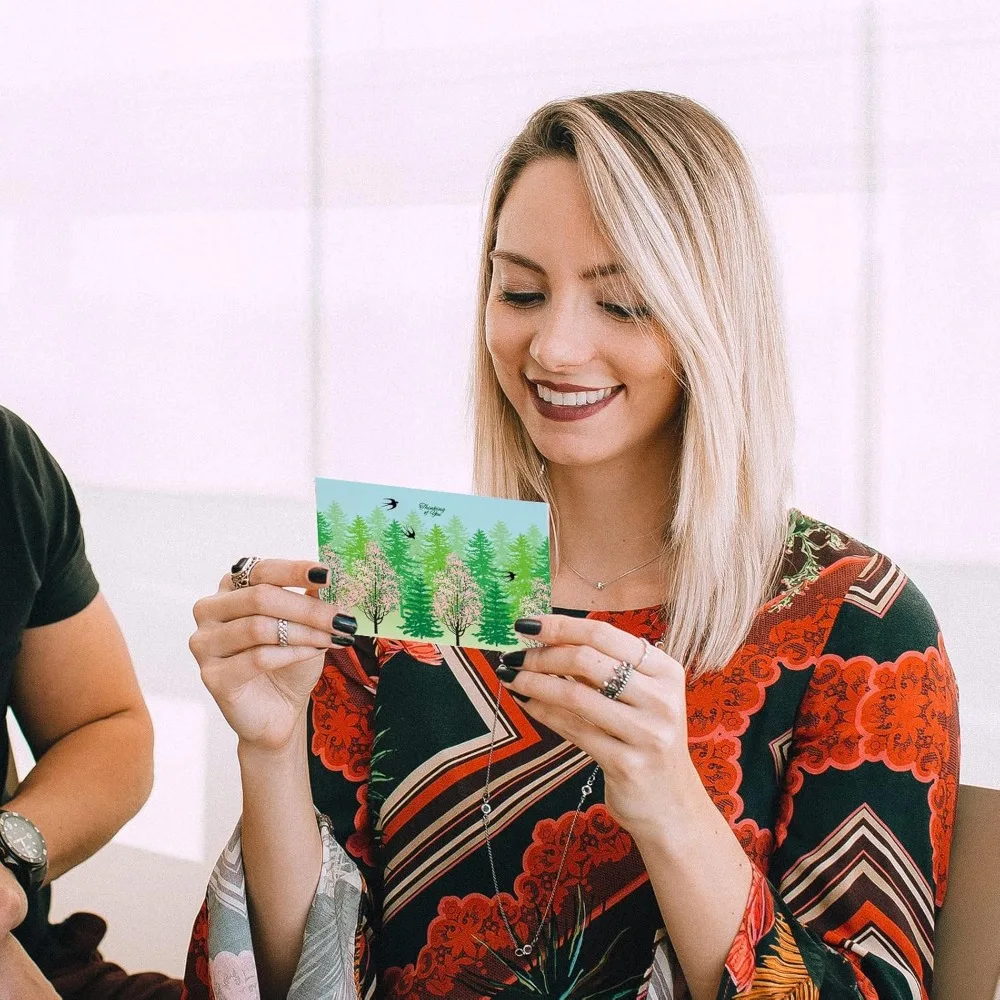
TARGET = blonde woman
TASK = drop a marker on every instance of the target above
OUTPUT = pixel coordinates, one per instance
(727, 764)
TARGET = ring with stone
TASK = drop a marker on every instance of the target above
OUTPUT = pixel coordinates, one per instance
(241, 575)
(613, 687)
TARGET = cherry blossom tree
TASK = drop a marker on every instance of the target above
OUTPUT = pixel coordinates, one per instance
(377, 583)
(457, 604)
(342, 589)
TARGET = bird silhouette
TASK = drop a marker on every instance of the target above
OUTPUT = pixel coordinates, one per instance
(390, 504)
(409, 532)
(510, 576)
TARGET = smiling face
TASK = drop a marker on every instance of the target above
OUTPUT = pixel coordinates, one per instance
(569, 337)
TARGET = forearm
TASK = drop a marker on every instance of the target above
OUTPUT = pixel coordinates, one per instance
(282, 856)
(87, 785)
(701, 877)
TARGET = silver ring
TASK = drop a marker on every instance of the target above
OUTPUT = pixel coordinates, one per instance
(613, 687)
(645, 652)
(282, 632)
(241, 578)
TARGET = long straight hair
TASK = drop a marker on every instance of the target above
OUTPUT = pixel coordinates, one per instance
(673, 194)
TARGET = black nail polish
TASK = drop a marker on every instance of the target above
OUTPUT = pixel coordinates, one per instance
(319, 574)
(345, 623)
(506, 673)
(237, 566)
(528, 626)
(514, 658)
(342, 640)
(519, 697)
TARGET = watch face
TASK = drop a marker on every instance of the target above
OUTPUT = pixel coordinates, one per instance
(22, 838)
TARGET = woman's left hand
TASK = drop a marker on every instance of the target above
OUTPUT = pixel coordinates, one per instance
(639, 739)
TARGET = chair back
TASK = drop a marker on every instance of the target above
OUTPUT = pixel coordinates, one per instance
(967, 934)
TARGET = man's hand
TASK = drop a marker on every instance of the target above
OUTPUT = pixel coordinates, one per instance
(20, 978)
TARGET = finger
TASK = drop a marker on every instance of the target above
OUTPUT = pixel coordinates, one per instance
(13, 902)
(281, 573)
(615, 718)
(619, 645)
(272, 602)
(584, 664)
(230, 638)
(242, 668)
(603, 747)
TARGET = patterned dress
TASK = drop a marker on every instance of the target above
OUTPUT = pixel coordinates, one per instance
(829, 742)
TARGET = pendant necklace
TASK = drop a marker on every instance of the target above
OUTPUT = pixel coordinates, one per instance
(601, 584)
(525, 950)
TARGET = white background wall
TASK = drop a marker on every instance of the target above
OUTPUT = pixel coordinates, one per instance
(237, 249)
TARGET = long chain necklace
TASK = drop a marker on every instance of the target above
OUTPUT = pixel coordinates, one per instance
(601, 584)
(524, 950)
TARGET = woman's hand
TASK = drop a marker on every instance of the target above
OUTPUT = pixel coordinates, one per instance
(639, 739)
(263, 687)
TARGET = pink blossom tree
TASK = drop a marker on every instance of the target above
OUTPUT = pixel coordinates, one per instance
(377, 585)
(342, 589)
(457, 603)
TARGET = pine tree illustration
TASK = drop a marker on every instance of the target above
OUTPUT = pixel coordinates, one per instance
(456, 597)
(378, 521)
(522, 564)
(500, 537)
(417, 609)
(338, 526)
(356, 542)
(495, 623)
(323, 533)
(435, 552)
(480, 557)
(378, 585)
(458, 537)
(541, 567)
(396, 547)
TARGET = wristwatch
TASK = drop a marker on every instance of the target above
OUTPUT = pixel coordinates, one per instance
(22, 850)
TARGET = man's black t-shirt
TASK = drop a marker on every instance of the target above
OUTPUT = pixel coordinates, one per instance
(44, 573)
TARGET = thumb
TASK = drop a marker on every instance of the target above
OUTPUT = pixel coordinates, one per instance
(13, 902)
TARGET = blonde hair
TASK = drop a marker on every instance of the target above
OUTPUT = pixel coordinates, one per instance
(674, 196)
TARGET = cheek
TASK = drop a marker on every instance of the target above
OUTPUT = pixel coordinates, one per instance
(504, 342)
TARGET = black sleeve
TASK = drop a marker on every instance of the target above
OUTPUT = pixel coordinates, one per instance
(41, 521)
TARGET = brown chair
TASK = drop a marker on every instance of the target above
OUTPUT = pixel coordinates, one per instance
(967, 935)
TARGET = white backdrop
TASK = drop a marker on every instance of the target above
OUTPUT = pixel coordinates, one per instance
(238, 245)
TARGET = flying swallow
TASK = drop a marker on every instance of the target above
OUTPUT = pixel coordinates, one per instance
(409, 532)
(510, 576)
(390, 504)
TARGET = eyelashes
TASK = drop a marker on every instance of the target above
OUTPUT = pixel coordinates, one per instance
(524, 300)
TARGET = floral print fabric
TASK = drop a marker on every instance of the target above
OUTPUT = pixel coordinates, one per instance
(829, 742)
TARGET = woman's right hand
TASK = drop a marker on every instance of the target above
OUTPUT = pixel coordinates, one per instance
(262, 687)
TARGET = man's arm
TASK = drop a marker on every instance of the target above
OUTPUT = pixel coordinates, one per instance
(77, 700)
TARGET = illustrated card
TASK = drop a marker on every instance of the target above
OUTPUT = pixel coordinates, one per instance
(429, 566)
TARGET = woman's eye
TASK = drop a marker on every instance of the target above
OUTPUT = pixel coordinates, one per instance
(625, 312)
(521, 299)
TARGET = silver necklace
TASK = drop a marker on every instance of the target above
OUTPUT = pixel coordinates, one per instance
(524, 950)
(601, 584)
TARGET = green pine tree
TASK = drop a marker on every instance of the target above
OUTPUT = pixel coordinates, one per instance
(435, 552)
(541, 568)
(324, 535)
(378, 521)
(458, 537)
(396, 547)
(418, 613)
(480, 557)
(495, 623)
(535, 536)
(522, 561)
(338, 527)
(356, 542)
(500, 537)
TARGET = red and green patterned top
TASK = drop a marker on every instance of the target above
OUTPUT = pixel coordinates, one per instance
(829, 742)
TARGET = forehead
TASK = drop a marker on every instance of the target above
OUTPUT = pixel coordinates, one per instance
(548, 213)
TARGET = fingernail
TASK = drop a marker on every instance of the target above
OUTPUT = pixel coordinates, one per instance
(342, 640)
(519, 697)
(505, 673)
(514, 658)
(528, 626)
(318, 574)
(345, 623)
(237, 566)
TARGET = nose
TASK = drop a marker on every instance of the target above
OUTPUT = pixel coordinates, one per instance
(562, 342)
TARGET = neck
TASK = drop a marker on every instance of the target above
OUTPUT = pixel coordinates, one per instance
(612, 518)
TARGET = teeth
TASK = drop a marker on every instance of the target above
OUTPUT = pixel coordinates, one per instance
(573, 398)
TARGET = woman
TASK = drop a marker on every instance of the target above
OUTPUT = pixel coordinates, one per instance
(742, 784)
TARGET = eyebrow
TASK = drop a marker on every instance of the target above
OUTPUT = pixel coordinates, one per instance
(600, 271)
